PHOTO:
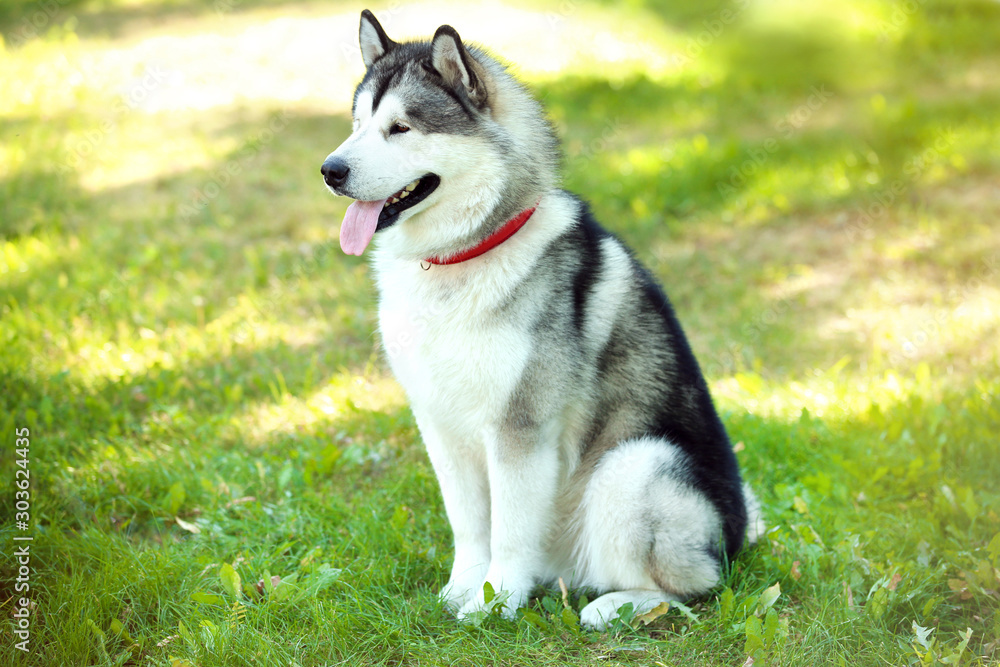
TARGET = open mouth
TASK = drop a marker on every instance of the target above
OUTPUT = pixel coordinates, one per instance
(363, 218)
(407, 197)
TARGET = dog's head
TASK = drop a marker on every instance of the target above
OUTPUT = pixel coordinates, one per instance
(438, 129)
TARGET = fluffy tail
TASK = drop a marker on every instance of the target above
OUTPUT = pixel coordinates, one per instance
(755, 521)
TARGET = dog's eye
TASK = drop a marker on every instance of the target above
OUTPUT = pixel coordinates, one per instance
(398, 128)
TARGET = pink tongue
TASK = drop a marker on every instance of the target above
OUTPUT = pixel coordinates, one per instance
(359, 225)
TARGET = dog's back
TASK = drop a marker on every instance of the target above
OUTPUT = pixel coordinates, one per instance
(623, 355)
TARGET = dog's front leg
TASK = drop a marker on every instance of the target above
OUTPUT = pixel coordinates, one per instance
(523, 476)
(462, 475)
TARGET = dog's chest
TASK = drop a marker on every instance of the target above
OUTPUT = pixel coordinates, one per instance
(455, 362)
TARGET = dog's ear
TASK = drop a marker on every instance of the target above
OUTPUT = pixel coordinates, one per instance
(459, 70)
(374, 42)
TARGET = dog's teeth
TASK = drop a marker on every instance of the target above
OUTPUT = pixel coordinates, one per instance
(403, 194)
(412, 186)
(393, 200)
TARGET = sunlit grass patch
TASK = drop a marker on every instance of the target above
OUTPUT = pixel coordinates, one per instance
(341, 397)
(198, 363)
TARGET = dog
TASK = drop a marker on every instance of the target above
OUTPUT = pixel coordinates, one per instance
(570, 428)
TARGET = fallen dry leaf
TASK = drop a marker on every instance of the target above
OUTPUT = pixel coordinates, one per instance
(189, 527)
(850, 596)
(239, 501)
(654, 613)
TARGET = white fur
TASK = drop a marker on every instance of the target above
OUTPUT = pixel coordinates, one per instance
(623, 493)
(755, 516)
(460, 364)
(459, 367)
(608, 294)
(602, 611)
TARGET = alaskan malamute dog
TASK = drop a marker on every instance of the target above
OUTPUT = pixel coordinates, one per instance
(567, 420)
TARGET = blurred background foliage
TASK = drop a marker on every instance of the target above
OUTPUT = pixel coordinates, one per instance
(816, 184)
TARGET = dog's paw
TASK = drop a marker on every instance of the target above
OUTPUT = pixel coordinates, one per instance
(455, 595)
(603, 611)
(506, 602)
(598, 616)
(466, 580)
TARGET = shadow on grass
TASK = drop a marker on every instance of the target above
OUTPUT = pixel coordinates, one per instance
(660, 168)
(680, 152)
(663, 163)
(229, 305)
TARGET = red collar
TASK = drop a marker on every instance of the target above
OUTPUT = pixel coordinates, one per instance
(507, 230)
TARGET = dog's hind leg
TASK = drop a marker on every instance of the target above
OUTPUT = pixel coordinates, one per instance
(646, 534)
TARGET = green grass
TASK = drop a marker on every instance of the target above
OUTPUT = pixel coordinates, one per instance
(208, 408)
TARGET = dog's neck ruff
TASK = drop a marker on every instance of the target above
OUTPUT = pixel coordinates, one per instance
(505, 231)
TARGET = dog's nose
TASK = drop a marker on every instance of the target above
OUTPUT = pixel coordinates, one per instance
(334, 172)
